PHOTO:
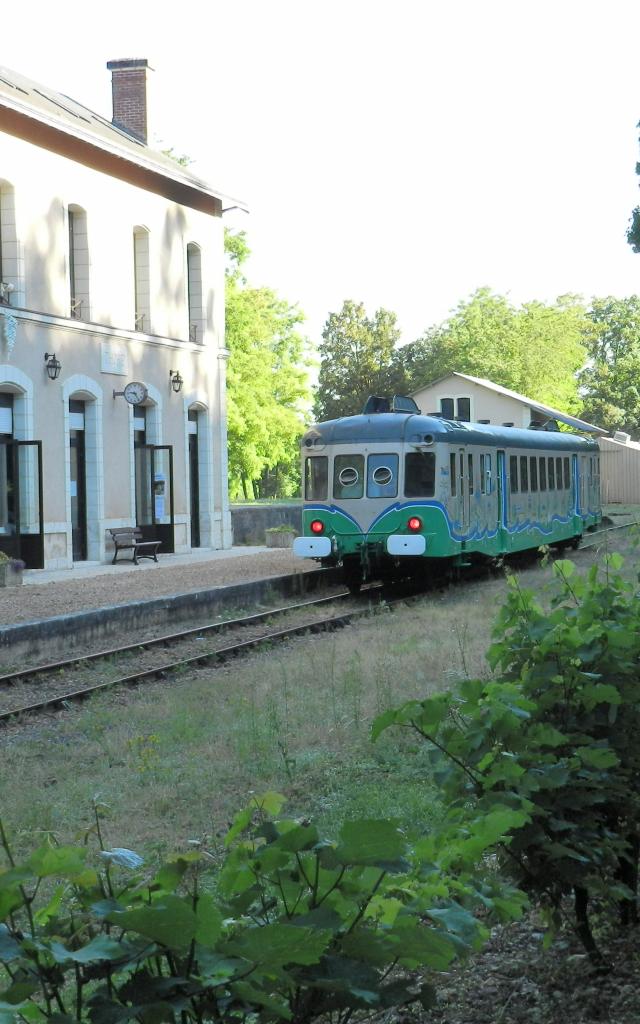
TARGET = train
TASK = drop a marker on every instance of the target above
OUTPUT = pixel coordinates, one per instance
(391, 493)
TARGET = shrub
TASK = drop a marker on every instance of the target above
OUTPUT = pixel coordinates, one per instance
(555, 737)
(291, 927)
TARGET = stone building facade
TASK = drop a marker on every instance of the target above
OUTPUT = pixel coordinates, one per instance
(112, 357)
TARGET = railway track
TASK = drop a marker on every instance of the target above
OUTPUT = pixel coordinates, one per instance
(52, 676)
(44, 678)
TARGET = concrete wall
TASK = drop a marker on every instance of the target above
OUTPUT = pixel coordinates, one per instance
(250, 521)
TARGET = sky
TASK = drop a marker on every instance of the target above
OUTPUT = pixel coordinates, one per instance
(401, 153)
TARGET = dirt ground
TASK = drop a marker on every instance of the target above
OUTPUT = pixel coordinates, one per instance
(131, 583)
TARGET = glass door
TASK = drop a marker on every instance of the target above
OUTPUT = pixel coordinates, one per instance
(194, 478)
(21, 522)
(77, 481)
(154, 493)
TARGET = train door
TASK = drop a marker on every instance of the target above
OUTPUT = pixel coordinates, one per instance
(502, 496)
(583, 486)
(465, 481)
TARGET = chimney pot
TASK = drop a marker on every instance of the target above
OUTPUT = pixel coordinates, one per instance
(129, 92)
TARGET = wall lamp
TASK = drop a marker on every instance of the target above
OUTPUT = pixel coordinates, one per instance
(53, 365)
(176, 380)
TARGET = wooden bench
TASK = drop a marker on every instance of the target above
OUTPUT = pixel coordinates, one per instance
(129, 538)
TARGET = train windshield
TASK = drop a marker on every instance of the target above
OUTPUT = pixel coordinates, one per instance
(382, 476)
(348, 476)
(316, 478)
(419, 475)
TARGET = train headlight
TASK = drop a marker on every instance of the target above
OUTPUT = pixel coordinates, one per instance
(414, 524)
(317, 526)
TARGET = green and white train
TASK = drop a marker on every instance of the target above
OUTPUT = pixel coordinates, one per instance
(391, 494)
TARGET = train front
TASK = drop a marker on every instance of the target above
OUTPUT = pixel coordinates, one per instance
(355, 472)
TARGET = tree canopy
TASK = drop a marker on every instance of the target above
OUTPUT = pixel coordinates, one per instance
(356, 359)
(535, 349)
(611, 381)
(267, 385)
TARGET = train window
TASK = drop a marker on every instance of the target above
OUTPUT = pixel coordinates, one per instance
(452, 474)
(513, 473)
(524, 474)
(316, 478)
(382, 476)
(543, 474)
(446, 408)
(420, 474)
(484, 480)
(551, 474)
(464, 410)
(567, 474)
(533, 473)
(559, 473)
(470, 465)
(348, 476)
(487, 473)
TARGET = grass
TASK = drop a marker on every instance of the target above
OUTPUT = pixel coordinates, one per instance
(174, 761)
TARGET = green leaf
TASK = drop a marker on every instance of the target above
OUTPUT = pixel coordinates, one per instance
(103, 947)
(382, 722)
(170, 921)
(63, 861)
(418, 945)
(598, 757)
(274, 945)
(209, 921)
(256, 997)
(457, 920)
(372, 842)
(9, 948)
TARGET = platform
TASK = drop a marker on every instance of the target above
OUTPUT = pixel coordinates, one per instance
(88, 570)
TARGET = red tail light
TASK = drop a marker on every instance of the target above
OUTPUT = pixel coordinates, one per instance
(414, 523)
(317, 526)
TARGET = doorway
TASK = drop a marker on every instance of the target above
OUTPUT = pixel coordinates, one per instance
(194, 477)
(78, 480)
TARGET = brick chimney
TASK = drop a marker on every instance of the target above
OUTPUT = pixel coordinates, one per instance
(129, 91)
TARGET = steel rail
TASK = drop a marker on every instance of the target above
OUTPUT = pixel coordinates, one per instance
(221, 655)
(166, 639)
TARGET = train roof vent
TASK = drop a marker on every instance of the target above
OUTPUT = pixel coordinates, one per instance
(435, 415)
(484, 421)
(507, 424)
(380, 403)
(622, 437)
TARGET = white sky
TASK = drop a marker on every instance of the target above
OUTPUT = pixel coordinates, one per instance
(400, 153)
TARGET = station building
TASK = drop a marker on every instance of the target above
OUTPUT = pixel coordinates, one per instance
(112, 357)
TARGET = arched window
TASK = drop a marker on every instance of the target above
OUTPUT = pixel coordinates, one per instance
(141, 279)
(78, 264)
(11, 260)
(194, 293)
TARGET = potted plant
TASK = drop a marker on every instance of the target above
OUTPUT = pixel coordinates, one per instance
(280, 536)
(10, 571)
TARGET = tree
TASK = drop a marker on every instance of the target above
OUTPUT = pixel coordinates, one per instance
(267, 387)
(611, 381)
(356, 359)
(535, 349)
